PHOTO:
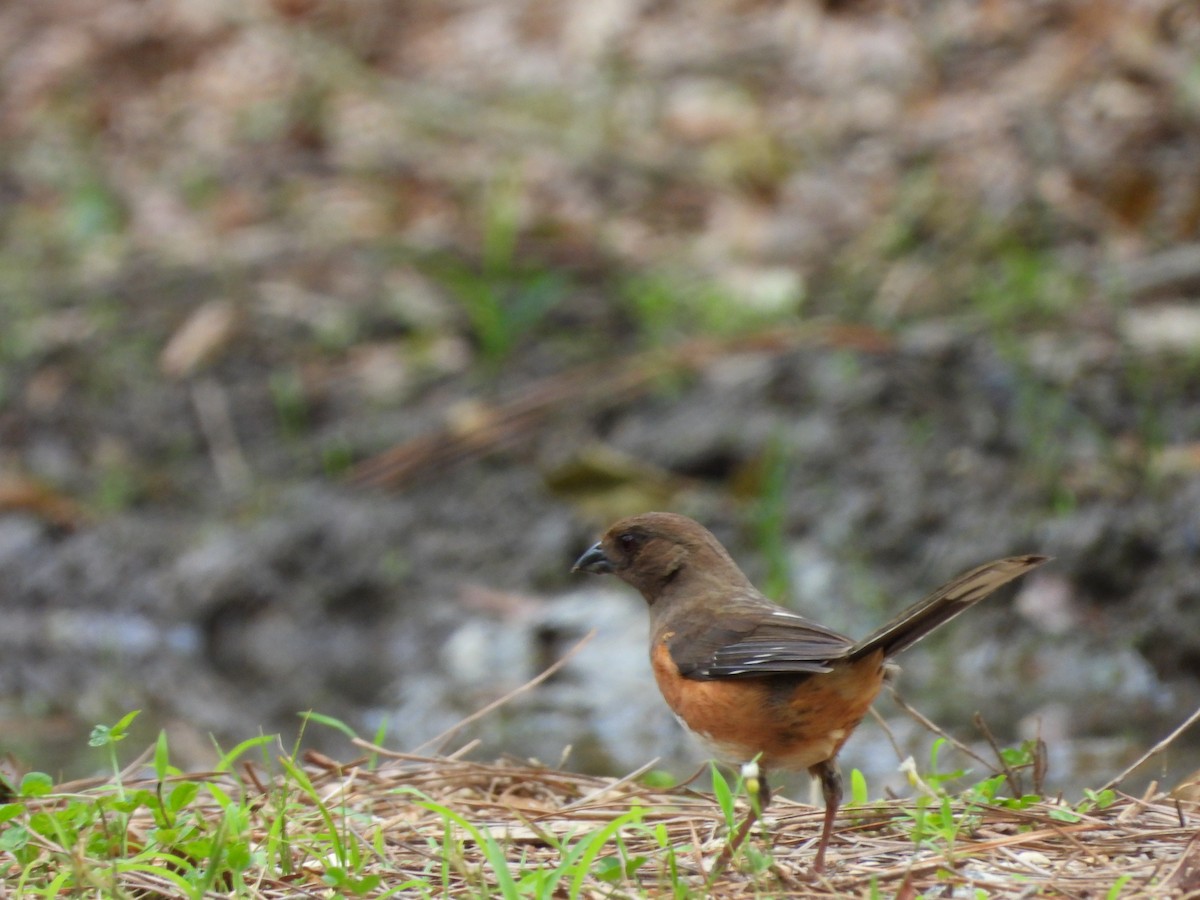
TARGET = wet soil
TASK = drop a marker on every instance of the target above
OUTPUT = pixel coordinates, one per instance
(228, 612)
(246, 247)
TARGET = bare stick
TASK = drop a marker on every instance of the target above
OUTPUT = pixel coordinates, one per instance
(619, 783)
(495, 704)
(929, 724)
(216, 424)
(887, 729)
(1014, 783)
(1155, 750)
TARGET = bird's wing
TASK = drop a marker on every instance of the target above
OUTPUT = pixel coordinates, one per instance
(766, 641)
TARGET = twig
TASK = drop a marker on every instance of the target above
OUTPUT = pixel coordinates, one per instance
(940, 732)
(511, 420)
(704, 767)
(608, 788)
(1041, 763)
(516, 692)
(1187, 869)
(1014, 783)
(463, 750)
(887, 729)
(1155, 750)
(216, 424)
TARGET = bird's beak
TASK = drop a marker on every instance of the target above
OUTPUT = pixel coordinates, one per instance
(593, 561)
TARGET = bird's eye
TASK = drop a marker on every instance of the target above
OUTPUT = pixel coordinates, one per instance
(628, 540)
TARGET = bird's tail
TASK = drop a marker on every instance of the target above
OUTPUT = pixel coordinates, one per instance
(943, 605)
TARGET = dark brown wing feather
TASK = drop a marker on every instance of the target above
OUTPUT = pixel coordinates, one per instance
(757, 638)
(766, 641)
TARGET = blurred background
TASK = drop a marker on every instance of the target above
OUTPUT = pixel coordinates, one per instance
(332, 332)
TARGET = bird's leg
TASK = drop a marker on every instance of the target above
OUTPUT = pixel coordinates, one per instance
(831, 789)
(760, 795)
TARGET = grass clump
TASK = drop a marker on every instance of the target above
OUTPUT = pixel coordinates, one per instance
(266, 824)
(666, 307)
(502, 297)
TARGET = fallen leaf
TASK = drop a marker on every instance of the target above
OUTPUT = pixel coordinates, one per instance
(199, 339)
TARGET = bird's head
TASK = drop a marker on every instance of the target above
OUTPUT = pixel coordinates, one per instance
(655, 552)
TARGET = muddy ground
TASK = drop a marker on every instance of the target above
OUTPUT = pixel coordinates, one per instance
(944, 261)
(226, 613)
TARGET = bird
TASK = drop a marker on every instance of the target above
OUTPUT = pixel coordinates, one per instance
(763, 687)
